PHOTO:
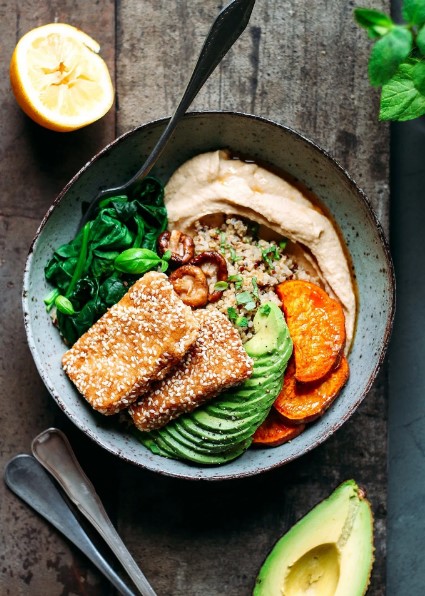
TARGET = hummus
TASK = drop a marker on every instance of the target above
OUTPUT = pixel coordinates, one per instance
(213, 183)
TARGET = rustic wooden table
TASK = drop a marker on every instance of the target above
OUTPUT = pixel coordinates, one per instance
(300, 63)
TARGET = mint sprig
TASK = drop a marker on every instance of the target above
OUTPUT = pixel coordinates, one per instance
(397, 59)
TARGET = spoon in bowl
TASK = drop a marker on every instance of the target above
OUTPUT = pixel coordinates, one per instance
(226, 29)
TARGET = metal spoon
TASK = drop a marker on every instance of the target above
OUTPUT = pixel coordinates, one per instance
(27, 479)
(53, 451)
(226, 29)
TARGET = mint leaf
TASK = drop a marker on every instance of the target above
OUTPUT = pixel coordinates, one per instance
(420, 40)
(400, 99)
(414, 11)
(376, 23)
(388, 53)
(418, 76)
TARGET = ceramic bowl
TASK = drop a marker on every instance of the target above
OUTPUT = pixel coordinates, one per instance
(281, 148)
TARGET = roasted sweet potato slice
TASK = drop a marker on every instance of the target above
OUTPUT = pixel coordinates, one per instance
(316, 324)
(274, 432)
(303, 402)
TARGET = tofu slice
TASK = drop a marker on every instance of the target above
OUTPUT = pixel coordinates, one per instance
(216, 361)
(134, 343)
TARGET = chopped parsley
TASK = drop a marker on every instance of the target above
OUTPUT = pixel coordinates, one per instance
(221, 285)
(265, 309)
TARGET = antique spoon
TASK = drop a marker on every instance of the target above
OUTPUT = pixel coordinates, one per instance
(53, 450)
(226, 29)
(29, 481)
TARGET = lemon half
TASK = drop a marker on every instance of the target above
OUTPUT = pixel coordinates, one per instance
(59, 79)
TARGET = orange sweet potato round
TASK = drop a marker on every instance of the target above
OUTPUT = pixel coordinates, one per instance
(299, 403)
(274, 432)
(316, 324)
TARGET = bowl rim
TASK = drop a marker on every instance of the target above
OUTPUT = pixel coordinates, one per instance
(390, 273)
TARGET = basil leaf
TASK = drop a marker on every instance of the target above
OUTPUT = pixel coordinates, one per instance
(400, 100)
(136, 261)
(376, 23)
(388, 53)
(414, 11)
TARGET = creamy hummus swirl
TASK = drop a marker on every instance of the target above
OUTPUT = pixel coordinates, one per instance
(215, 183)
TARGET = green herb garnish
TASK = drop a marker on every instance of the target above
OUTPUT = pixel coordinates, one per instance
(220, 286)
(396, 60)
(255, 288)
(283, 244)
(270, 255)
(232, 313)
(265, 309)
(241, 322)
(237, 280)
(244, 298)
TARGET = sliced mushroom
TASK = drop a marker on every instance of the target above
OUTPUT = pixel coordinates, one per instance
(191, 285)
(181, 246)
(214, 266)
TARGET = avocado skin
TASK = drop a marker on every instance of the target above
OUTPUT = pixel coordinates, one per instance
(222, 429)
(342, 525)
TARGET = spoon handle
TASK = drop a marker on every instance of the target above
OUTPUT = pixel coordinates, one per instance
(226, 29)
(28, 480)
(53, 451)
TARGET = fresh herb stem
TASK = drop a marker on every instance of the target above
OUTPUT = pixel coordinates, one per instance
(79, 268)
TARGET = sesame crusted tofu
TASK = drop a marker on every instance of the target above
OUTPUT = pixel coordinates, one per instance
(216, 361)
(134, 343)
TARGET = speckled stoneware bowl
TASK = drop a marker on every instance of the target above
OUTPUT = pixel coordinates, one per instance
(283, 149)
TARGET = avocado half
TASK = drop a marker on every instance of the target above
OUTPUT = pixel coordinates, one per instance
(329, 552)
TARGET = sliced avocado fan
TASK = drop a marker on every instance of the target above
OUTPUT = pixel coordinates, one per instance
(222, 429)
(329, 552)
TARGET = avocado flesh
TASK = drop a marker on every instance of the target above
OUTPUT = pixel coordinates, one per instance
(329, 552)
(222, 429)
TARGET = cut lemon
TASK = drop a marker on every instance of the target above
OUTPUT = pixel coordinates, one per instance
(59, 79)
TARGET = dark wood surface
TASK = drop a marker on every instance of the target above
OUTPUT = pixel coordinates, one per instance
(300, 63)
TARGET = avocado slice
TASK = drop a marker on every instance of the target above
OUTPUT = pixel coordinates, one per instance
(329, 552)
(222, 429)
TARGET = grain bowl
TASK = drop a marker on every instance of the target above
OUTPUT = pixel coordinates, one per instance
(283, 151)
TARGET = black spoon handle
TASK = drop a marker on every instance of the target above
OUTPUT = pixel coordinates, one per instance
(28, 480)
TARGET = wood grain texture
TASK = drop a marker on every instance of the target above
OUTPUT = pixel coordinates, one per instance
(299, 63)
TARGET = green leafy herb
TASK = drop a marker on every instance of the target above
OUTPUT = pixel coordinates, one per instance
(83, 270)
(270, 255)
(221, 285)
(396, 60)
(64, 305)
(237, 280)
(49, 300)
(255, 288)
(242, 322)
(233, 256)
(232, 313)
(265, 309)
(283, 244)
(244, 298)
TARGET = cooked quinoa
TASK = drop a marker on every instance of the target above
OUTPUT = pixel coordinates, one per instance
(254, 265)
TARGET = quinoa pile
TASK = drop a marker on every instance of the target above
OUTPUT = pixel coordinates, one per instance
(254, 265)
